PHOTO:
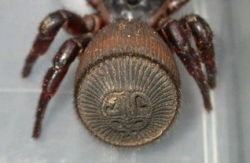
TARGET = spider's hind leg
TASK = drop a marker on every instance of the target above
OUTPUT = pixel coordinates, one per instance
(48, 29)
(54, 76)
(178, 39)
(203, 37)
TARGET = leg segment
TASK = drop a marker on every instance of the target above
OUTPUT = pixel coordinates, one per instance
(203, 36)
(178, 39)
(52, 80)
(100, 6)
(174, 5)
(169, 7)
(50, 27)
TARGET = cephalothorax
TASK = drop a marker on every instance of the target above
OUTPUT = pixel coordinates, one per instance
(127, 85)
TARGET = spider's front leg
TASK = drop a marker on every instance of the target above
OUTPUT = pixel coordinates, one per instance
(52, 80)
(178, 39)
(50, 26)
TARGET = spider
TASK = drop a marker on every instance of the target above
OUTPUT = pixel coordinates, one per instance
(127, 85)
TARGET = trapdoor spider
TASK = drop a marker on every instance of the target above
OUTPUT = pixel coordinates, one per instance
(127, 85)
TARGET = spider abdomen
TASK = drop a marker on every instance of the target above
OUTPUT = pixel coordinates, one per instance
(127, 85)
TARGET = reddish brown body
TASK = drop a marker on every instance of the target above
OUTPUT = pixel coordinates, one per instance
(127, 86)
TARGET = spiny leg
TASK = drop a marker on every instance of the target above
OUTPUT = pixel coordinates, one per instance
(203, 37)
(52, 80)
(178, 39)
(48, 29)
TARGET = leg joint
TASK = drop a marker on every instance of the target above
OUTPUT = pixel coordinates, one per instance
(66, 54)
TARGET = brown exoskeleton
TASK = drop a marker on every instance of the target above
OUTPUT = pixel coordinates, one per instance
(127, 86)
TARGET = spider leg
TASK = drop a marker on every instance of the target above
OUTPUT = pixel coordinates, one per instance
(168, 7)
(203, 37)
(175, 5)
(175, 35)
(52, 80)
(100, 6)
(50, 26)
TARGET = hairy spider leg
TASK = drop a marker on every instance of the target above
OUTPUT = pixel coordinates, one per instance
(50, 26)
(203, 37)
(175, 35)
(52, 80)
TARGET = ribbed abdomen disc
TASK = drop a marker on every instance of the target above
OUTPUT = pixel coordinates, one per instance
(127, 101)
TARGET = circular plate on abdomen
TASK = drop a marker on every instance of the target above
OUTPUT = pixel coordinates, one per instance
(127, 101)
